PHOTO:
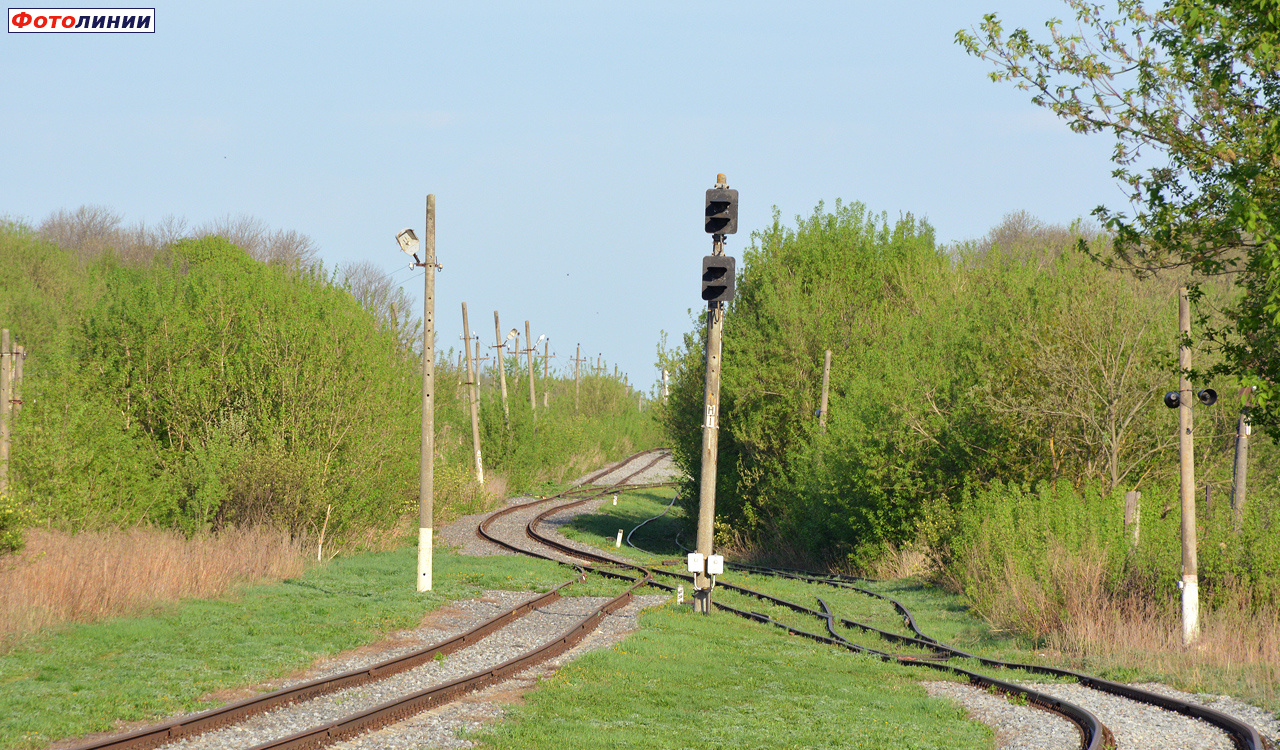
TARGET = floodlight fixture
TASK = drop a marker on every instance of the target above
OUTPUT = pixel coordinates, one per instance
(408, 242)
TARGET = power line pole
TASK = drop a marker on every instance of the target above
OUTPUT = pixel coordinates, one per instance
(1242, 458)
(479, 367)
(533, 403)
(471, 383)
(499, 350)
(577, 379)
(426, 464)
(666, 390)
(717, 290)
(1186, 454)
(826, 381)
(546, 368)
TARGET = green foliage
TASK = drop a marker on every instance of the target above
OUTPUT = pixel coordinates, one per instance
(556, 444)
(12, 521)
(1193, 81)
(204, 388)
(960, 378)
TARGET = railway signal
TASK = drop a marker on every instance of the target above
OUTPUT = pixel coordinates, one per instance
(717, 290)
(717, 278)
(722, 210)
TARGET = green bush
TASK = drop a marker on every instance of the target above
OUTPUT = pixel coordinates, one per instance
(202, 388)
(13, 520)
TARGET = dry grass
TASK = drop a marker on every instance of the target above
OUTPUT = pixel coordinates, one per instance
(1072, 611)
(776, 550)
(909, 561)
(1238, 651)
(60, 578)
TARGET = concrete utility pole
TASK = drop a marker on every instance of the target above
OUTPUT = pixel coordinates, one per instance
(666, 390)
(710, 428)
(1186, 453)
(1133, 513)
(426, 464)
(1242, 458)
(498, 350)
(479, 367)
(577, 378)
(471, 384)
(533, 402)
(826, 381)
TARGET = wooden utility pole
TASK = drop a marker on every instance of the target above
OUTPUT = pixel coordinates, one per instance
(826, 381)
(6, 359)
(499, 349)
(577, 378)
(426, 462)
(710, 435)
(533, 403)
(1186, 453)
(1242, 458)
(471, 383)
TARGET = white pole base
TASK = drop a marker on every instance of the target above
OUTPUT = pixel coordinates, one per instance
(424, 559)
(1190, 609)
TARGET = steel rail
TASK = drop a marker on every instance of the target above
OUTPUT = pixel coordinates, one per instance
(1095, 734)
(400, 709)
(191, 725)
(205, 721)
(1242, 734)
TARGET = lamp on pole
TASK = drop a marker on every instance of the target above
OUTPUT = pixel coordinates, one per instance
(408, 242)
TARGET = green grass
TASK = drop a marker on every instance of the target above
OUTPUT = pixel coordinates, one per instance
(687, 680)
(83, 679)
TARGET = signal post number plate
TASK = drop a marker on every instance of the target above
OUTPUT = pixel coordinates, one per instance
(711, 417)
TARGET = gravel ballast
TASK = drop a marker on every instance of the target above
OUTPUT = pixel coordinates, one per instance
(1134, 725)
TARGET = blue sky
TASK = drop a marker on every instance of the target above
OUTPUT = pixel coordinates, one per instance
(569, 144)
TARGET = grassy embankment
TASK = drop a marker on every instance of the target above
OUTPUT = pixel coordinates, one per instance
(763, 688)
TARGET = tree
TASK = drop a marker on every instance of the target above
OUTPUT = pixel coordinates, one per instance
(1196, 83)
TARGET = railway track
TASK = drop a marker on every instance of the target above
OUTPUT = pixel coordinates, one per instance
(519, 529)
(930, 653)
(222, 727)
